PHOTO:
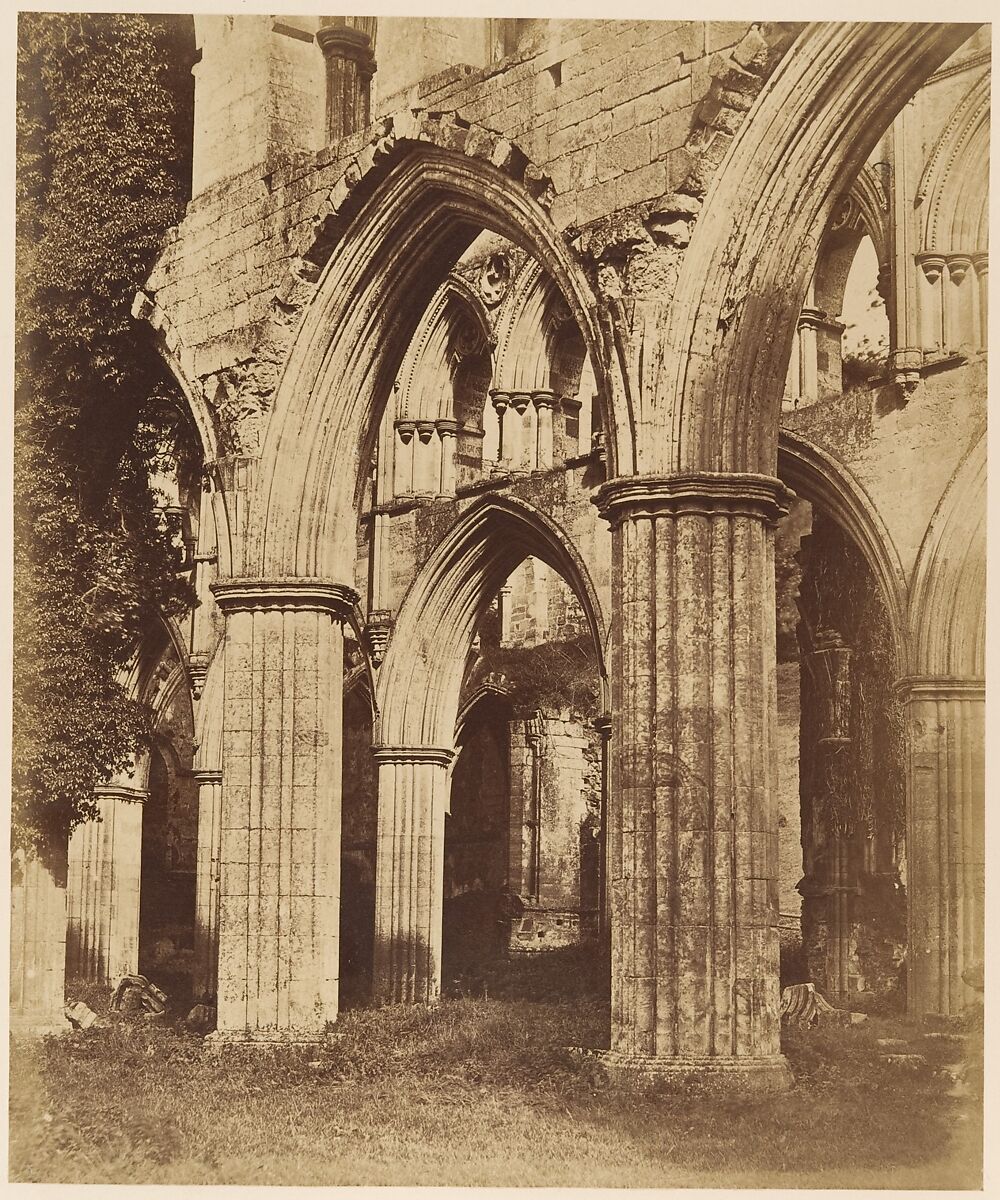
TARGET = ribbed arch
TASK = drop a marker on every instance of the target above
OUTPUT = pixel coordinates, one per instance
(425, 383)
(947, 610)
(954, 187)
(721, 360)
(420, 682)
(380, 278)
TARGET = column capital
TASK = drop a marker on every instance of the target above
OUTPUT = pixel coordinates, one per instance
(341, 40)
(205, 775)
(704, 493)
(294, 594)
(500, 399)
(118, 791)
(543, 398)
(941, 687)
(439, 756)
(447, 427)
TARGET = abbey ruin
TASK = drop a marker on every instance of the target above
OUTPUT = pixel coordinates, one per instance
(588, 527)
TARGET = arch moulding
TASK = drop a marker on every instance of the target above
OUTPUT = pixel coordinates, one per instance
(415, 197)
(420, 681)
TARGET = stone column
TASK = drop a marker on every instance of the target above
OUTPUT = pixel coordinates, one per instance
(279, 886)
(521, 452)
(693, 852)
(426, 464)
(348, 45)
(206, 900)
(403, 460)
(105, 866)
(543, 402)
(945, 840)
(37, 943)
(501, 405)
(413, 797)
(981, 266)
(448, 433)
(603, 727)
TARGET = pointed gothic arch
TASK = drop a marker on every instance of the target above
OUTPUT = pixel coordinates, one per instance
(420, 682)
(382, 272)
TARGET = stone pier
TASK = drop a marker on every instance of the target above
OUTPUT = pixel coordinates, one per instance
(37, 943)
(206, 899)
(693, 822)
(105, 866)
(279, 886)
(413, 798)
(945, 839)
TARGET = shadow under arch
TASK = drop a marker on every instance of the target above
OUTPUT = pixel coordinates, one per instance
(420, 681)
(818, 477)
(947, 608)
(382, 274)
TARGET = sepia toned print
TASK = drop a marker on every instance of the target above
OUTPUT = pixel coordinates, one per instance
(499, 602)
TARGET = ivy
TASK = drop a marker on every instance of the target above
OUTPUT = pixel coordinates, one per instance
(103, 135)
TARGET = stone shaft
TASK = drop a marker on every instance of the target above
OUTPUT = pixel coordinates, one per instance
(206, 900)
(413, 791)
(105, 864)
(37, 944)
(693, 847)
(279, 890)
(945, 841)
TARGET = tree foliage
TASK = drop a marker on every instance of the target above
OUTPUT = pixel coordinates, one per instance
(103, 133)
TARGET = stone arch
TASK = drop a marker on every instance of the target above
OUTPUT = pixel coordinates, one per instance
(818, 477)
(954, 187)
(424, 389)
(947, 609)
(744, 275)
(423, 204)
(421, 679)
(180, 363)
(483, 691)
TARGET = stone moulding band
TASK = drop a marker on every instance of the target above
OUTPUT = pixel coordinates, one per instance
(206, 776)
(941, 687)
(438, 755)
(299, 595)
(116, 791)
(706, 493)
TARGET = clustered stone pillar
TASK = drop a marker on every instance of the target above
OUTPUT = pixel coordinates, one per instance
(348, 45)
(548, 807)
(279, 887)
(945, 841)
(105, 867)
(413, 798)
(206, 899)
(693, 823)
(38, 942)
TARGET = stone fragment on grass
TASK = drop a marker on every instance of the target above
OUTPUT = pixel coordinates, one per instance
(80, 1016)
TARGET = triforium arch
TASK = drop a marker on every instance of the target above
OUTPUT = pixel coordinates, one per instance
(418, 700)
(744, 276)
(380, 277)
(945, 700)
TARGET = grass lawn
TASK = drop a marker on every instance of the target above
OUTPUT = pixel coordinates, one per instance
(482, 1092)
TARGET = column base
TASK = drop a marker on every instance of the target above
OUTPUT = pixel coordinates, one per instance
(222, 1040)
(697, 1073)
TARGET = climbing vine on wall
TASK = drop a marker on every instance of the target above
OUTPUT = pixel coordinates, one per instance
(103, 138)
